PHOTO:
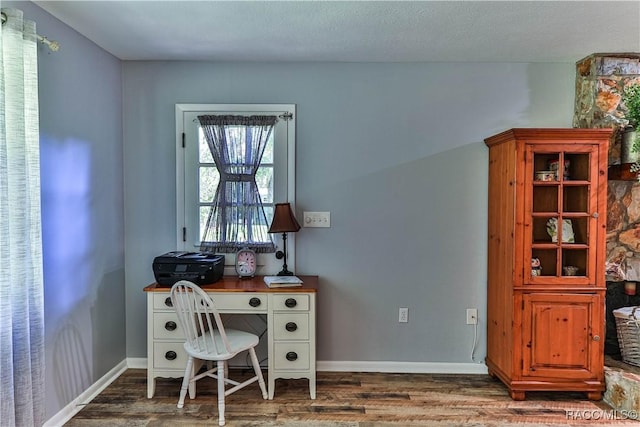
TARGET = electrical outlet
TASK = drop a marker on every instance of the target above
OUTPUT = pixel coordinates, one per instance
(403, 315)
(472, 316)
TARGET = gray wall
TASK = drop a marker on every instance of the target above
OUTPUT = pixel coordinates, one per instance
(394, 151)
(80, 90)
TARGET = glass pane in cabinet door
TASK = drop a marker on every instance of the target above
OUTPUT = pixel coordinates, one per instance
(579, 229)
(545, 198)
(575, 198)
(541, 231)
(574, 262)
(542, 164)
(577, 165)
(561, 230)
(543, 262)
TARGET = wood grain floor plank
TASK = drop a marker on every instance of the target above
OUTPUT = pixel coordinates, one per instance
(343, 400)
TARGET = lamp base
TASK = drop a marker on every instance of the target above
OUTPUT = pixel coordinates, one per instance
(285, 272)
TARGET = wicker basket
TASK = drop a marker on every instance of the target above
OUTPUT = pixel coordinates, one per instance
(628, 328)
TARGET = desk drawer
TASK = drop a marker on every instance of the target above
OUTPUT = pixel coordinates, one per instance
(162, 301)
(169, 355)
(166, 326)
(243, 301)
(291, 326)
(291, 356)
(240, 302)
(288, 302)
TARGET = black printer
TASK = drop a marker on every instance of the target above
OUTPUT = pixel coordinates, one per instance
(197, 267)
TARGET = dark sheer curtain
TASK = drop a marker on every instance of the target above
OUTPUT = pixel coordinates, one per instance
(237, 217)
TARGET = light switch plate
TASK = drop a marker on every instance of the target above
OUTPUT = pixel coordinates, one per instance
(316, 219)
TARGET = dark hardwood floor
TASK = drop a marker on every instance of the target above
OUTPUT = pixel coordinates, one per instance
(346, 400)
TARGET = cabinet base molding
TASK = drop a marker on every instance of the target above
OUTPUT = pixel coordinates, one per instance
(518, 387)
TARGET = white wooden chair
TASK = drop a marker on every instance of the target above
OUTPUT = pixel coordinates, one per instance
(207, 341)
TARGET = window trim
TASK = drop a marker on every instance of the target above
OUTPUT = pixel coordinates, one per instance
(181, 208)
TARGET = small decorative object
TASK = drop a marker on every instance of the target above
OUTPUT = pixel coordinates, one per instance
(545, 176)
(628, 151)
(284, 221)
(630, 288)
(554, 167)
(567, 230)
(570, 270)
(536, 267)
(246, 263)
(631, 143)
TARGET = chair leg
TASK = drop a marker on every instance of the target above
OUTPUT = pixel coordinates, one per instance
(221, 389)
(256, 367)
(188, 373)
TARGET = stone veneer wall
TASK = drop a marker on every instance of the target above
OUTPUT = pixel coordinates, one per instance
(600, 82)
(623, 231)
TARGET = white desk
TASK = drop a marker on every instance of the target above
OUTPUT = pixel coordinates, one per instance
(291, 327)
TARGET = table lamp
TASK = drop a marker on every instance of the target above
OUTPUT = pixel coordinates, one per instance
(284, 221)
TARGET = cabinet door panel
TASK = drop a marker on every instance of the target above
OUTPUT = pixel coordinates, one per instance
(562, 335)
(561, 214)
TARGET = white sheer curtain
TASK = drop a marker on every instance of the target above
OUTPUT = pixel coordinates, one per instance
(21, 281)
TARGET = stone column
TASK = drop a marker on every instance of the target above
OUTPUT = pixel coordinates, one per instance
(600, 81)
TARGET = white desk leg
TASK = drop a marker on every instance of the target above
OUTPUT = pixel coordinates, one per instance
(272, 386)
(151, 386)
(312, 387)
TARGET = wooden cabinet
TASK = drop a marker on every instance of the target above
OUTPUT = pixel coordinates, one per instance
(546, 280)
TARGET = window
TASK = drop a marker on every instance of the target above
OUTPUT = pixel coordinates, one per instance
(198, 179)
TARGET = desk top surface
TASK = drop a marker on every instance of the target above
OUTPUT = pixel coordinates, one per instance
(254, 284)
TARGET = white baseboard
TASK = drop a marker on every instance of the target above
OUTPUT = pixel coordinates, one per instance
(66, 413)
(403, 367)
(137, 362)
(328, 366)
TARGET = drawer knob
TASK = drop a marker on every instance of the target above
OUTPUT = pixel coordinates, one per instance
(596, 338)
(170, 355)
(291, 302)
(254, 302)
(292, 356)
(170, 326)
(167, 302)
(291, 326)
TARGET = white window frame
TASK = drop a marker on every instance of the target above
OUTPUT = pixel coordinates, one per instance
(284, 177)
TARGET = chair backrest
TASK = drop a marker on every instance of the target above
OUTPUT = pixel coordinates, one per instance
(198, 318)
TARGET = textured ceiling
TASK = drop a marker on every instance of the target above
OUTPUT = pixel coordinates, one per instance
(355, 31)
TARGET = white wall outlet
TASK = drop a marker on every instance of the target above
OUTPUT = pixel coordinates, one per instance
(403, 315)
(472, 316)
(316, 219)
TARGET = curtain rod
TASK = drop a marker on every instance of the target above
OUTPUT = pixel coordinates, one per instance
(51, 44)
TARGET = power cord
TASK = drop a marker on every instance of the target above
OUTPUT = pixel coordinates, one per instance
(475, 340)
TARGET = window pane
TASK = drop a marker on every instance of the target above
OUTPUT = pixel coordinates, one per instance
(209, 179)
(204, 214)
(204, 152)
(264, 179)
(268, 211)
(267, 156)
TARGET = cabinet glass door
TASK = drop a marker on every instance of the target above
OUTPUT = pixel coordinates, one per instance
(561, 213)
